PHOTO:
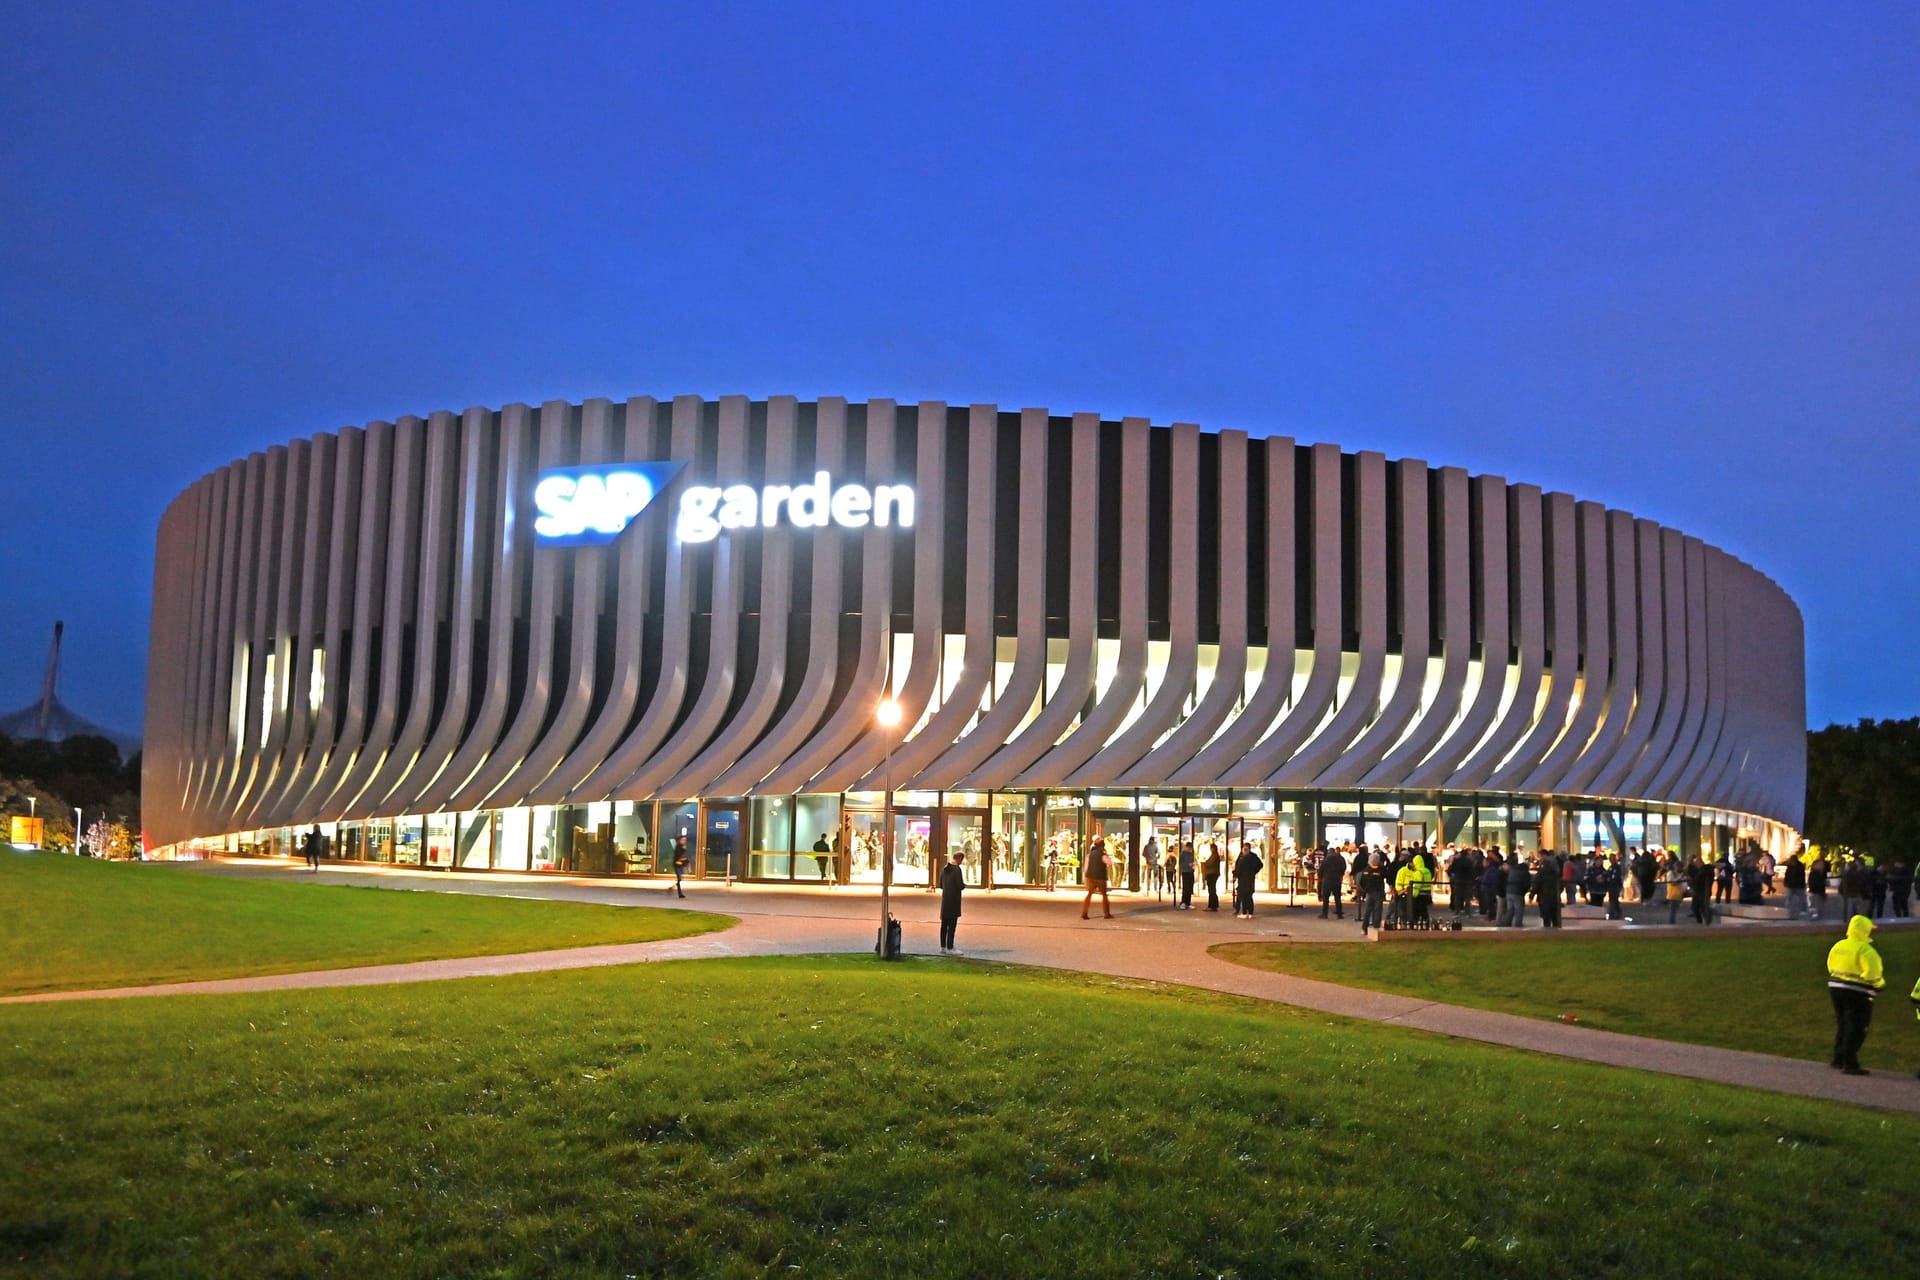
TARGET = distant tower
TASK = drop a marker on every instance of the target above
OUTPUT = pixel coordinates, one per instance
(46, 720)
(53, 674)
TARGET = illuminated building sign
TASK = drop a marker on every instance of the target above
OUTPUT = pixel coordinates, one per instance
(706, 510)
(590, 506)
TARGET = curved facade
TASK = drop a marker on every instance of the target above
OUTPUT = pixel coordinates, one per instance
(379, 630)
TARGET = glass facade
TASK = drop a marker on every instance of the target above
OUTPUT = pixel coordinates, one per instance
(1006, 839)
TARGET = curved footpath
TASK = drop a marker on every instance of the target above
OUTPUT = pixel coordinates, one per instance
(1147, 940)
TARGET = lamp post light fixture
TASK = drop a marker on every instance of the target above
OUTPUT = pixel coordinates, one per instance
(888, 715)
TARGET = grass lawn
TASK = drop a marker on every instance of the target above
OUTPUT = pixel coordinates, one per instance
(831, 1115)
(1733, 988)
(68, 924)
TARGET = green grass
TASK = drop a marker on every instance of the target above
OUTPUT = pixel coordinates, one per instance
(810, 1116)
(1736, 989)
(69, 924)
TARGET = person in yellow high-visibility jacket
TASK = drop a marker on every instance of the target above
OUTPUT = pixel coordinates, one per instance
(1853, 978)
(1414, 882)
(1915, 997)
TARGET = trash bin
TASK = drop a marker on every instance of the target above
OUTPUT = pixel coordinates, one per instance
(889, 948)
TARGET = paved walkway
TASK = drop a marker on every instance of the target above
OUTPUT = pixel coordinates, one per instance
(1147, 940)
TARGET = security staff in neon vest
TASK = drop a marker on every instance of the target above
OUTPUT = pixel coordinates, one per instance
(1414, 883)
(1853, 977)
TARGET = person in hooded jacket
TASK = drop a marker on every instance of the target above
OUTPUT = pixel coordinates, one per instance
(1915, 997)
(1373, 892)
(1854, 977)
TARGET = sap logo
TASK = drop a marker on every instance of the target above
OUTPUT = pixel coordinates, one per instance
(707, 510)
(589, 506)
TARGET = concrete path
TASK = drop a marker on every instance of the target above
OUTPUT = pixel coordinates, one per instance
(1147, 941)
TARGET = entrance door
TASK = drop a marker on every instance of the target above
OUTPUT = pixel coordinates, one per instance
(913, 852)
(966, 834)
(720, 841)
(1161, 833)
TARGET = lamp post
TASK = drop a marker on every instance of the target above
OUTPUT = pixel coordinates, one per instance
(887, 714)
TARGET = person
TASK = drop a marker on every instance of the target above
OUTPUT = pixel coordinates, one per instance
(1547, 881)
(1245, 869)
(1333, 874)
(1676, 882)
(1853, 887)
(1413, 883)
(1519, 881)
(953, 883)
(1700, 884)
(1373, 892)
(1853, 978)
(1614, 880)
(1899, 887)
(1212, 869)
(1796, 880)
(1186, 875)
(310, 847)
(1493, 887)
(1096, 877)
(680, 862)
(1722, 878)
(1170, 872)
(1150, 856)
(1645, 872)
(1817, 886)
(823, 856)
(1915, 997)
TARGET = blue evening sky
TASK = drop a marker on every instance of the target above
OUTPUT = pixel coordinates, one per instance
(1663, 256)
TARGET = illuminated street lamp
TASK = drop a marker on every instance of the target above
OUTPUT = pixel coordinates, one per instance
(888, 715)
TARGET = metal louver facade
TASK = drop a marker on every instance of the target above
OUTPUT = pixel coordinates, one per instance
(362, 624)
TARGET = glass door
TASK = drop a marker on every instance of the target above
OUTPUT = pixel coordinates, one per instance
(965, 834)
(864, 840)
(720, 842)
(1116, 830)
(913, 851)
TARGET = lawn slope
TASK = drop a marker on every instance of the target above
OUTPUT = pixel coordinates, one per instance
(1738, 989)
(69, 924)
(833, 1116)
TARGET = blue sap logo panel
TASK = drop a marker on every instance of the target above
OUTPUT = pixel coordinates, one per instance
(589, 506)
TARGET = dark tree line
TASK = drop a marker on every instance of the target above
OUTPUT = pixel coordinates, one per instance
(82, 770)
(1863, 786)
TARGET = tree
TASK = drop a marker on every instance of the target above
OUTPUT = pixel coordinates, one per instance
(1863, 781)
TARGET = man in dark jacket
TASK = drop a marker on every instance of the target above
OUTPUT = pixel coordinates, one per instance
(1700, 885)
(1246, 868)
(1519, 880)
(1333, 874)
(1547, 879)
(1186, 875)
(953, 883)
(1796, 882)
(1645, 869)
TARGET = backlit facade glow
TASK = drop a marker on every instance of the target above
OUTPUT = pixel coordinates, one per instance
(553, 638)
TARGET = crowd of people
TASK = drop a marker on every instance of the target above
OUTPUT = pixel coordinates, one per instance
(1394, 887)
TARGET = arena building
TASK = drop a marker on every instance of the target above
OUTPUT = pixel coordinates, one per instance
(557, 638)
